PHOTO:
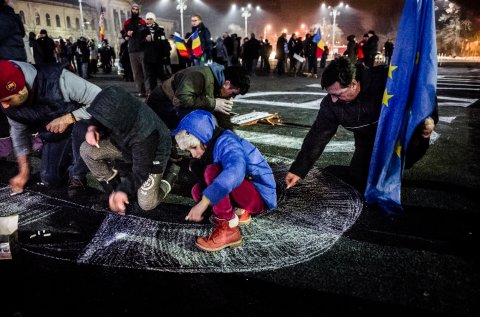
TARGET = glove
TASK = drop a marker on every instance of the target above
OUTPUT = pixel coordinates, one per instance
(223, 105)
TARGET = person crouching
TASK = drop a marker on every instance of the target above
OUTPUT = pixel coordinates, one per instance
(234, 178)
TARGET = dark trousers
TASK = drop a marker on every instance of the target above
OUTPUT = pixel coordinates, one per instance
(281, 66)
(61, 156)
(154, 71)
(164, 108)
(312, 64)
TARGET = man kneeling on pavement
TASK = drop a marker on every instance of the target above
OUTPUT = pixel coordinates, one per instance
(51, 101)
(124, 128)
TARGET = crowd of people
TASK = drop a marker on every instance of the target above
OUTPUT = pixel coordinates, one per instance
(84, 129)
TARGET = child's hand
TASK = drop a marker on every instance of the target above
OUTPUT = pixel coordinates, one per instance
(196, 213)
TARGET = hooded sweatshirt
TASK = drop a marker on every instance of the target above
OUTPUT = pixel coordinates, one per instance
(239, 159)
(136, 131)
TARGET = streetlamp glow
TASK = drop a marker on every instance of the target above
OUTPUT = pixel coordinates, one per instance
(267, 27)
(335, 12)
(82, 23)
(246, 13)
(181, 6)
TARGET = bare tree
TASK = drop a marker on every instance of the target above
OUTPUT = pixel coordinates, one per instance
(451, 35)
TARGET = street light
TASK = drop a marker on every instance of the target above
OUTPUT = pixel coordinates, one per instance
(335, 12)
(267, 27)
(82, 25)
(246, 13)
(182, 6)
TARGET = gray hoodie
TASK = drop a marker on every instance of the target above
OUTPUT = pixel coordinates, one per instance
(73, 88)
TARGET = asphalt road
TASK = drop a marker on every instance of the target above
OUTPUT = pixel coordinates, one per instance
(425, 262)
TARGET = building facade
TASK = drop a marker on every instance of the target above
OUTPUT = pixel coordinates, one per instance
(62, 18)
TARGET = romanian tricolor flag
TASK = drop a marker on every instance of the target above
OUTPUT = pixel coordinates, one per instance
(317, 38)
(180, 44)
(196, 45)
(101, 24)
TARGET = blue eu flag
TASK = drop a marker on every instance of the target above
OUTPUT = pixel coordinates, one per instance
(409, 98)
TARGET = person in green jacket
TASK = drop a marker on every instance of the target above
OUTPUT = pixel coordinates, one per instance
(209, 88)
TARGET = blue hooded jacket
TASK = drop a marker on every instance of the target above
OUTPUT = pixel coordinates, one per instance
(238, 157)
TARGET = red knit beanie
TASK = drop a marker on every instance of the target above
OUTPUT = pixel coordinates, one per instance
(11, 79)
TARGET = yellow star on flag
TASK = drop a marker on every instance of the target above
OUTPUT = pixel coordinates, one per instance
(386, 97)
(398, 148)
(390, 71)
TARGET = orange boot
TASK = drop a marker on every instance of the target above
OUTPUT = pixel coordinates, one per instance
(222, 236)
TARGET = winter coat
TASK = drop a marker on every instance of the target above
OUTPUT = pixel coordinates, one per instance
(238, 158)
(351, 51)
(204, 35)
(159, 48)
(54, 92)
(12, 32)
(359, 116)
(140, 135)
(371, 47)
(140, 31)
(280, 48)
(46, 48)
(195, 87)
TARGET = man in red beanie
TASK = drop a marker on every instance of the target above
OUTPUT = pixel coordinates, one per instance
(52, 101)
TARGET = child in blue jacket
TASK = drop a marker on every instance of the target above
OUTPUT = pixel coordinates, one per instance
(235, 178)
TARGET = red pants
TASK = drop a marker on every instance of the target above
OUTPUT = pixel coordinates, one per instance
(244, 196)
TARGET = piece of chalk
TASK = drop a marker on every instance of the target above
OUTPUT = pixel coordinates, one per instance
(289, 186)
(33, 236)
(15, 193)
(186, 218)
(98, 146)
(47, 234)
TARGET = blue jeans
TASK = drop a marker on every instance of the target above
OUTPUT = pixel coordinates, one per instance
(62, 157)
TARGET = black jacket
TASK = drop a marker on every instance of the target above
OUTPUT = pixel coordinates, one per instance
(159, 49)
(136, 131)
(45, 101)
(137, 40)
(11, 35)
(359, 116)
(204, 35)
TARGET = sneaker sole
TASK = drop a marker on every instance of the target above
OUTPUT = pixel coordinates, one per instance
(231, 245)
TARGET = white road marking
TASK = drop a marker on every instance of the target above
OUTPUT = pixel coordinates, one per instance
(434, 137)
(446, 119)
(458, 83)
(457, 88)
(293, 142)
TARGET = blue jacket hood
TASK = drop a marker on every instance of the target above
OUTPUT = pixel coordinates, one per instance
(199, 123)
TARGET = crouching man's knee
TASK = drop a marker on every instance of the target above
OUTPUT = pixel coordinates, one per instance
(152, 192)
(86, 151)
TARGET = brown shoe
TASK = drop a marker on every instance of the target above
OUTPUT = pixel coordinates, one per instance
(222, 236)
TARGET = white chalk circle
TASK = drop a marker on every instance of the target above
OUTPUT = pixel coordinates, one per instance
(309, 219)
